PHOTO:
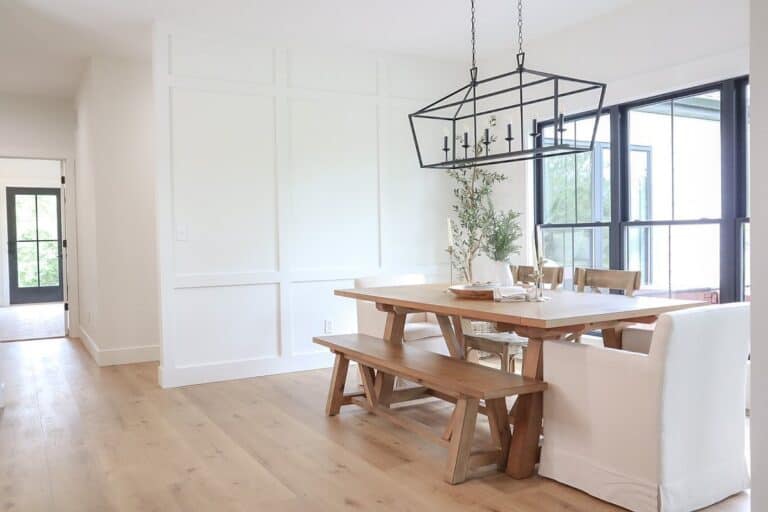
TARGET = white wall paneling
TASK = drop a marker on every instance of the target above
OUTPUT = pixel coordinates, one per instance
(284, 174)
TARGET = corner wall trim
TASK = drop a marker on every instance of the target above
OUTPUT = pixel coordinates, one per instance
(115, 356)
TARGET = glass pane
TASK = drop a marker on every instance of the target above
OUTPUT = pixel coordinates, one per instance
(26, 264)
(558, 247)
(577, 247)
(676, 261)
(47, 217)
(747, 93)
(647, 250)
(26, 225)
(650, 162)
(695, 262)
(696, 131)
(584, 188)
(577, 188)
(591, 248)
(558, 192)
(745, 270)
(49, 264)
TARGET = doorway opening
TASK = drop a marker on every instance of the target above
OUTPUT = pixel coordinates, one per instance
(33, 271)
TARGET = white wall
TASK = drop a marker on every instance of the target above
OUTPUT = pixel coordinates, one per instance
(284, 174)
(18, 172)
(116, 207)
(759, 245)
(40, 127)
(641, 50)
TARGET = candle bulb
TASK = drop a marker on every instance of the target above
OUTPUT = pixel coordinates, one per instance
(509, 131)
(535, 128)
(487, 136)
(562, 121)
(536, 244)
(445, 143)
(466, 139)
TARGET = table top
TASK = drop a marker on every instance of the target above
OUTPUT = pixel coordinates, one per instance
(564, 308)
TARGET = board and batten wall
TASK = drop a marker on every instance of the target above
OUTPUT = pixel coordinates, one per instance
(282, 175)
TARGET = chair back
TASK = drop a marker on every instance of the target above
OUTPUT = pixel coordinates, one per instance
(370, 320)
(701, 355)
(627, 281)
(553, 276)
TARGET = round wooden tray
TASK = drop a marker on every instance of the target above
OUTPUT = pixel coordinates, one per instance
(474, 292)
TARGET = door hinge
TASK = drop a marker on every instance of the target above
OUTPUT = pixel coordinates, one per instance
(66, 306)
(63, 180)
(64, 244)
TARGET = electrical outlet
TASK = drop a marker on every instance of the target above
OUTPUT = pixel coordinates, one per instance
(328, 327)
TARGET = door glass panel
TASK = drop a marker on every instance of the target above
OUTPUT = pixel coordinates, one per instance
(47, 217)
(26, 225)
(27, 264)
(49, 263)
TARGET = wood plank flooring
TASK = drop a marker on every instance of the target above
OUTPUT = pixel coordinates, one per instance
(76, 437)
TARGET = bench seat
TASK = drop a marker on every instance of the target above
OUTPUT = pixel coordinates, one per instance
(455, 380)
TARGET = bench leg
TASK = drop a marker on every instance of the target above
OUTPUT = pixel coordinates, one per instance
(501, 434)
(336, 391)
(368, 379)
(461, 440)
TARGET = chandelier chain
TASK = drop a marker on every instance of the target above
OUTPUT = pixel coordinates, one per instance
(472, 2)
(520, 26)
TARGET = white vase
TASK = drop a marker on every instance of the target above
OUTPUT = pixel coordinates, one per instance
(503, 273)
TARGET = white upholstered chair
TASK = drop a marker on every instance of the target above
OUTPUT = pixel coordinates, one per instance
(421, 329)
(658, 432)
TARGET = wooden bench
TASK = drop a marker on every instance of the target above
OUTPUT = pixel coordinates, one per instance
(447, 378)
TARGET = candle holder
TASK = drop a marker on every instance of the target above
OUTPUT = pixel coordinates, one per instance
(538, 280)
(509, 140)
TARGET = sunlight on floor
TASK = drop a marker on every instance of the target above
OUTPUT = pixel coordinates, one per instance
(31, 321)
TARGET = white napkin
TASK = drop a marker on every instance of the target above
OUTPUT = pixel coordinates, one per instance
(511, 291)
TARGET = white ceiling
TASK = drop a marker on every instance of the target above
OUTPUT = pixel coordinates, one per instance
(44, 43)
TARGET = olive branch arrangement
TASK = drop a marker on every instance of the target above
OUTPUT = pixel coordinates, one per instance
(479, 228)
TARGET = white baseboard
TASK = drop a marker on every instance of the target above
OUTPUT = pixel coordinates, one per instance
(113, 356)
(243, 369)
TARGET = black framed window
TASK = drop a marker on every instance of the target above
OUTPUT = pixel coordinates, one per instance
(575, 198)
(664, 191)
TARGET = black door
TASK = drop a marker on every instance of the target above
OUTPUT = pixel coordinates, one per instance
(34, 245)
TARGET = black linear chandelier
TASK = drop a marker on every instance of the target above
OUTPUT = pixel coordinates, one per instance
(458, 130)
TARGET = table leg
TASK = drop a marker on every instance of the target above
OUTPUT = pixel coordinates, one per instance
(452, 334)
(524, 446)
(393, 333)
(612, 338)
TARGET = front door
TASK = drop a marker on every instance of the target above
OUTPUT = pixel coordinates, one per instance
(34, 245)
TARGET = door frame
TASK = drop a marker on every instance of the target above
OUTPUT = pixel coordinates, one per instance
(38, 294)
(69, 233)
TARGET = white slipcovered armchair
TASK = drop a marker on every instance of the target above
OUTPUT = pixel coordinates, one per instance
(658, 432)
(421, 329)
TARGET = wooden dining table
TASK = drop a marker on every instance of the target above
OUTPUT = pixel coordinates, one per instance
(563, 314)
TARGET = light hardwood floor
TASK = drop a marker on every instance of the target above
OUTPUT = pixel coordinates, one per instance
(76, 437)
(31, 321)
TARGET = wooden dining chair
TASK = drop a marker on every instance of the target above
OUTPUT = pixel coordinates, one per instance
(627, 281)
(553, 276)
(505, 345)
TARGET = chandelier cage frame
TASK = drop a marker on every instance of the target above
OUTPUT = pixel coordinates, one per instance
(467, 116)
